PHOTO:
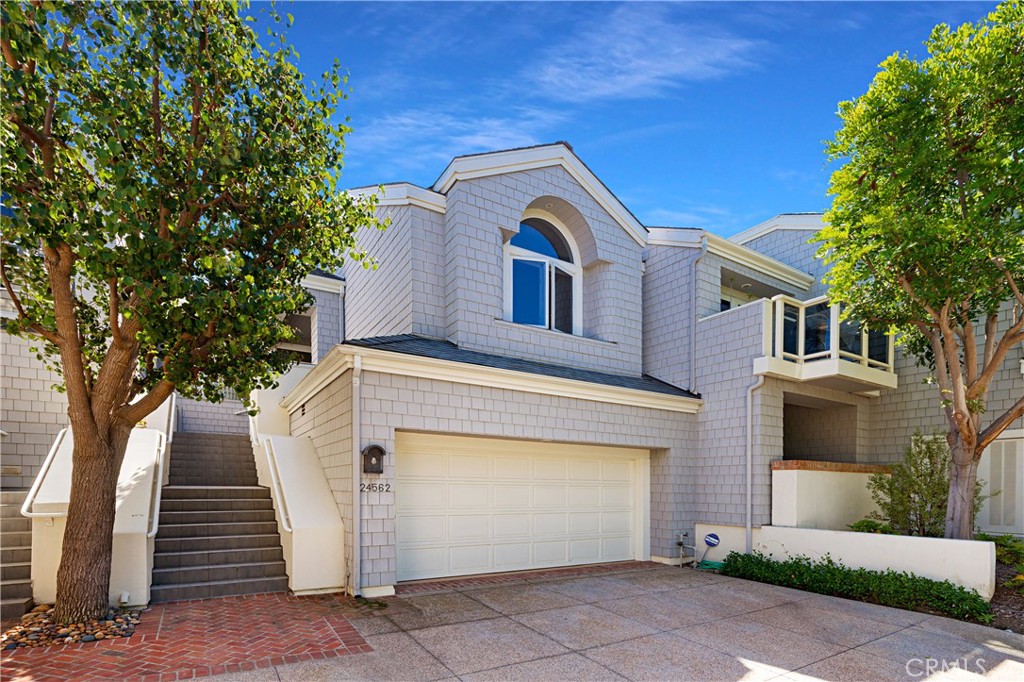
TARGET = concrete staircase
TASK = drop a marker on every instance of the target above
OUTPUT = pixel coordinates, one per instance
(217, 535)
(15, 556)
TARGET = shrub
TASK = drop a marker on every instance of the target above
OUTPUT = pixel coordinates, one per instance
(871, 526)
(1009, 549)
(889, 588)
(912, 498)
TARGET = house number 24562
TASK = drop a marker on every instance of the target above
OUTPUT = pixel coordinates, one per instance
(375, 487)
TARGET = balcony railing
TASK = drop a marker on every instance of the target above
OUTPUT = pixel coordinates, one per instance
(807, 341)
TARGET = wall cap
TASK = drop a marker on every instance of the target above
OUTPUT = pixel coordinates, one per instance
(835, 467)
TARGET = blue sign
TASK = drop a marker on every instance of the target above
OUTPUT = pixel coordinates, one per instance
(711, 540)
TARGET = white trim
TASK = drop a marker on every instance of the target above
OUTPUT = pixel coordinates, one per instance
(404, 194)
(602, 344)
(733, 252)
(342, 357)
(516, 160)
(326, 284)
(377, 592)
(811, 222)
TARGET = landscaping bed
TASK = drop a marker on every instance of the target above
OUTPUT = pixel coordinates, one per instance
(37, 629)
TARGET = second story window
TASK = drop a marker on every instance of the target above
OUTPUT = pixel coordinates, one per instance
(543, 280)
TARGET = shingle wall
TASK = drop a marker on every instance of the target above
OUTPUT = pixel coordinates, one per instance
(709, 283)
(824, 434)
(328, 322)
(668, 313)
(793, 248)
(380, 302)
(203, 417)
(477, 212)
(30, 411)
(391, 403)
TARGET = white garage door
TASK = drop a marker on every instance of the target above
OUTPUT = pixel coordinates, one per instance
(476, 505)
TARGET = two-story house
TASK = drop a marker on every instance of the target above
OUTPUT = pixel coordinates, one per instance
(553, 383)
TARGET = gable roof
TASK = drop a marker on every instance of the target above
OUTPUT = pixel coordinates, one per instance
(542, 156)
(810, 222)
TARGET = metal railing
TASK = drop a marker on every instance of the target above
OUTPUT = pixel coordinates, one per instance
(43, 471)
(275, 482)
(158, 481)
(806, 331)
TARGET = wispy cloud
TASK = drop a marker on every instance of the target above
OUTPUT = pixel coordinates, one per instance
(637, 51)
(417, 140)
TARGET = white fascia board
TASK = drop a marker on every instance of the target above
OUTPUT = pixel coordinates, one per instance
(808, 222)
(321, 283)
(404, 194)
(736, 253)
(342, 357)
(512, 161)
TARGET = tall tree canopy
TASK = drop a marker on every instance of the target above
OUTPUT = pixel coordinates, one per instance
(171, 179)
(926, 230)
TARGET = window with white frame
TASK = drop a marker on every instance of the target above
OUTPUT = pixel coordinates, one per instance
(301, 345)
(543, 278)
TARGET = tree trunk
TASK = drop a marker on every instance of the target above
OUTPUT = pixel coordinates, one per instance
(83, 578)
(963, 475)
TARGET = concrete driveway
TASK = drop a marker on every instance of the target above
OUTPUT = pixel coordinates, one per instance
(657, 624)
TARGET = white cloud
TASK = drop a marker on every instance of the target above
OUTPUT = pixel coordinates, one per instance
(637, 51)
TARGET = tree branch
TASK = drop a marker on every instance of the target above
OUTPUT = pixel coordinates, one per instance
(999, 425)
(137, 411)
(115, 316)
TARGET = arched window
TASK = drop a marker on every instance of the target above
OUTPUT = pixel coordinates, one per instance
(543, 279)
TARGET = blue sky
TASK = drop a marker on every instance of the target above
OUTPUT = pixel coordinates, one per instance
(695, 114)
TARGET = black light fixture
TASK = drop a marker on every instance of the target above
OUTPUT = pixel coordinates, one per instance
(373, 459)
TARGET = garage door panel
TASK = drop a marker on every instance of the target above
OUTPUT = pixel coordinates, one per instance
(511, 525)
(585, 470)
(470, 558)
(512, 468)
(470, 466)
(511, 496)
(461, 528)
(550, 496)
(481, 506)
(421, 496)
(583, 551)
(550, 553)
(549, 469)
(469, 496)
(425, 464)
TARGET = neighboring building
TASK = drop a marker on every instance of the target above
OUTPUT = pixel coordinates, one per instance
(554, 383)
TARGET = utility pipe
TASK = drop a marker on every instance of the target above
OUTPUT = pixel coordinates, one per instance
(693, 311)
(355, 584)
(750, 461)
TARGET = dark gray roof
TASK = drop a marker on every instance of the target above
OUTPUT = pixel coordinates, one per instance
(410, 344)
(329, 275)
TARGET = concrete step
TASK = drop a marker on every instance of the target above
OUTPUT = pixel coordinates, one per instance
(212, 481)
(19, 524)
(223, 572)
(12, 608)
(226, 588)
(16, 589)
(215, 505)
(251, 555)
(216, 543)
(16, 571)
(13, 497)
(206, 492)
(196, 530)
(17, 539)
(173, 518)
(14, 555)
(11, 511)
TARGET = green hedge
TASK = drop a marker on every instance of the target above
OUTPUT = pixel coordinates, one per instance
(890, 588)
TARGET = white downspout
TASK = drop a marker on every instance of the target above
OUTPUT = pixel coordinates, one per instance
(750, 461)
(693, 310)
(357, 467)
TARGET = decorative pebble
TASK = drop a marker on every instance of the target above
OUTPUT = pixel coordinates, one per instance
(37, 629)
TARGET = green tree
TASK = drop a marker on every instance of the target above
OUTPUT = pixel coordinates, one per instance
(171, 181)
(925, 230)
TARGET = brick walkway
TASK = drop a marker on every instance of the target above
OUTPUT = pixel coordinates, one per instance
(185, 640)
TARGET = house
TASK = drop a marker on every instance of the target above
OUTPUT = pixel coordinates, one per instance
(550, 382)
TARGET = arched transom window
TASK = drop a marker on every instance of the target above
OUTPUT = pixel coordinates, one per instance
(543, 278)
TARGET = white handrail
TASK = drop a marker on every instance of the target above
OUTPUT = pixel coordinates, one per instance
(34, 490)
(158, 483)
(275, 482)
(172, 418)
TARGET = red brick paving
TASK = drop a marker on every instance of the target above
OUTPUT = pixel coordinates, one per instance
(186, 640)
(521, 576)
